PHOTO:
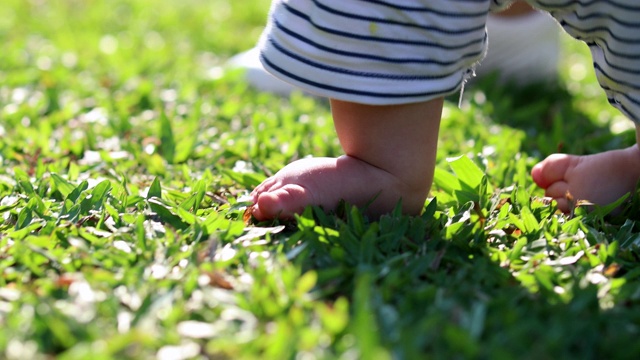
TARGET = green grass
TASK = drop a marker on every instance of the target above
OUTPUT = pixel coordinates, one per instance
(125, 153)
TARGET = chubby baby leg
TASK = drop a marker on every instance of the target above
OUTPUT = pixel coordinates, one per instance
(389, 157)
(600, 178)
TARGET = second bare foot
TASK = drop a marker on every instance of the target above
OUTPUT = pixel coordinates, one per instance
(600, 178)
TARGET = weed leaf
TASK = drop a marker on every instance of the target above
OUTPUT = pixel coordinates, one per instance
(155, 190)
(167, 142)
(165, 214)
(62, 185)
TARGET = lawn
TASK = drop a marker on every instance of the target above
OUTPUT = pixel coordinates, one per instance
(126, 154)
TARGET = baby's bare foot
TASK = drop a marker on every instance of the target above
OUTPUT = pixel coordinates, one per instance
(326, 181)
(600, 178)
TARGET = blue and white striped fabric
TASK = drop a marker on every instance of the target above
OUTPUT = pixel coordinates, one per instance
(393, 52)
(611, 28)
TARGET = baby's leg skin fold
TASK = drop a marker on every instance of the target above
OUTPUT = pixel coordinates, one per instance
(389, 157)
(600, 178)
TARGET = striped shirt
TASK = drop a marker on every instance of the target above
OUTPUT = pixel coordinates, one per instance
(393, 52)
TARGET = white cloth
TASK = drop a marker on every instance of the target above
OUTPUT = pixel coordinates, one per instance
(524, 49)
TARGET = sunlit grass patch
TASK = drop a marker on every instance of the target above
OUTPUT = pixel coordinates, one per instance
(127, 151)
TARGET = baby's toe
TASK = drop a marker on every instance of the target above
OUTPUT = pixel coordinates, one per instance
(558, 191)
(281, 203)
(264, 186)
(552, 169)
